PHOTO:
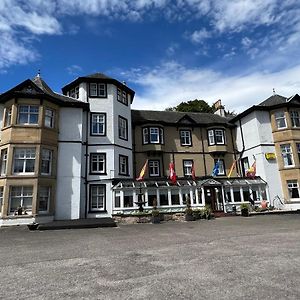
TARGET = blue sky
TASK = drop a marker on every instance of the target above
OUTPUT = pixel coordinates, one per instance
(167, 51)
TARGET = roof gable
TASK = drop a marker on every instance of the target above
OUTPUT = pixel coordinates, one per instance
(186, 119)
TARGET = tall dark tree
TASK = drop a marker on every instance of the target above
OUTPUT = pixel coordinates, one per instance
(192, 106)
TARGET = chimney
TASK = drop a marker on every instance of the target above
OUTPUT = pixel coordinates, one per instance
(219, 108)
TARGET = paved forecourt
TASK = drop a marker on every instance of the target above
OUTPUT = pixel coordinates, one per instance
(226, 258)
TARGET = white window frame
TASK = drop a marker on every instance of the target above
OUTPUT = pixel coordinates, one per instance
(3, 161)
(293, 184)
(185, 137)
(211, 137)
(49, 118)
(29, 155)
(24, 192)
(46, 156)
(187, 167)
(154, 132)
(98, 159)
(97, 194)
(279, 118)
(8, 113)
(295, 118)
(98, 119)
(154, 168)
(29, 110)
(286, 153)
(93, 90)
(219, 133)
(44, 195)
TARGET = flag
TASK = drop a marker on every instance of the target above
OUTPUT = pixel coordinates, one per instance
(193, 172)
(215, 171)
(251, 172)
(172, 174)
(143, 171)
(232, 168)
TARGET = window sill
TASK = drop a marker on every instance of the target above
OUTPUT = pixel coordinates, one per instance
(97, 173)
(98, 211)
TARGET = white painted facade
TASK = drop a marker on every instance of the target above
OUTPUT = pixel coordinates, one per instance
(69, 164)
(254, 139)
(110, 144)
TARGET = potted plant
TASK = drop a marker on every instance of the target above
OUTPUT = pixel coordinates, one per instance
(155, 213)
(189, 212)
(197, 214)
(245, 209)
(207, 213)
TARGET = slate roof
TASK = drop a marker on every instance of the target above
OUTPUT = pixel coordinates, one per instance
(273, 100)
(172, 117)
(38, 89)
(97, 77)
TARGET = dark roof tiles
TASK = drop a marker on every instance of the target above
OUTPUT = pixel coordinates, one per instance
(273, 100)
(172, 117)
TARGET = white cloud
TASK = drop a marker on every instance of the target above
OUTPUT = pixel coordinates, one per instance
(74, 70)
(20, 18)
(169, 84)
(12, 52)
(199, 36)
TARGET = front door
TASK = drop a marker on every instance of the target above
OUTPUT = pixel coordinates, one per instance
(213, 198)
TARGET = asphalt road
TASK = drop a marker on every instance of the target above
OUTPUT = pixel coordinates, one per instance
(226, 258)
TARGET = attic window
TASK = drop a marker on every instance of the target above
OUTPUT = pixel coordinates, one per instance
(98, 90)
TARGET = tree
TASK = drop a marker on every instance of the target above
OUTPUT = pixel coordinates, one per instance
(192, 106)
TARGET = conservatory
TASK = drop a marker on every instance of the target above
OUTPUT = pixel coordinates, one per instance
(220, 194)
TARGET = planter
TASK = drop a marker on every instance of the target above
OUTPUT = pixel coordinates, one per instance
(156, 219)
(245, 212)
(189, 217)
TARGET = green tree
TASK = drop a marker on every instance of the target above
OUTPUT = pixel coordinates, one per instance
(192, 106)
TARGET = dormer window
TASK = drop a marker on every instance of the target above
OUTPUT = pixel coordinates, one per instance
(97, 90)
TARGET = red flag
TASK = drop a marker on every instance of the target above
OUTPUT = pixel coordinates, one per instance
(193, 172)
(143, 171)
(172, 174)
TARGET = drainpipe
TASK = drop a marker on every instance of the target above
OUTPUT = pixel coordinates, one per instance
(86, 162)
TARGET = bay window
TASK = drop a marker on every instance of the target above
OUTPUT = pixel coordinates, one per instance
(20, 196)
(293, 188)
(295, 118)
(28, 114)
(153, 135)
(24, 160)
(216, 137)
(280, 119)
(46, 162)
(287, 155)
